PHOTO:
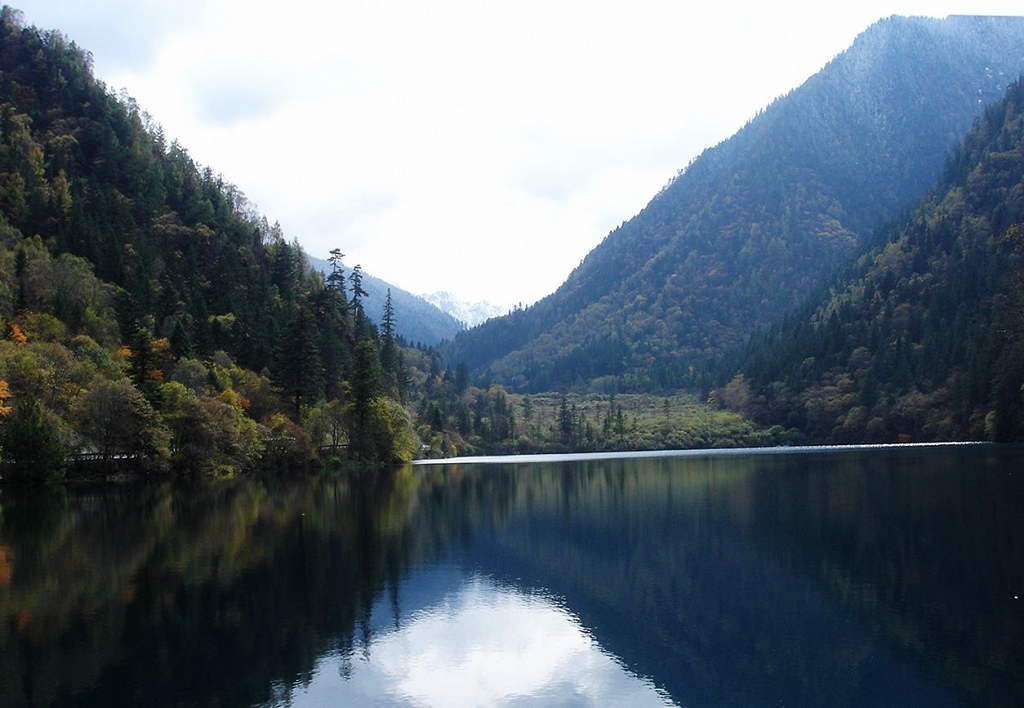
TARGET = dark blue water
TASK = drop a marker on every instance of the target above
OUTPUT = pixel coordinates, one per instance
(877, 577)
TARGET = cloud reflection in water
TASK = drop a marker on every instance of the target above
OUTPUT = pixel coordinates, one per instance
(482, 644)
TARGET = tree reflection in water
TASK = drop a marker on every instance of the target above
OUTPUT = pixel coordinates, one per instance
(843, 578)
(481, 644)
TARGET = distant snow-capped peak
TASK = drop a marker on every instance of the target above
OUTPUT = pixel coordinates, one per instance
(472, 313)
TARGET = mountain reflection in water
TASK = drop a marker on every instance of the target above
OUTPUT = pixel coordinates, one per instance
(882, 577)
(481, 644)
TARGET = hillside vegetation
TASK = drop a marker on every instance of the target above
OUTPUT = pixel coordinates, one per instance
(923, 337)
(149, 313)
(789, 286)
(757, 224)
(421, 322)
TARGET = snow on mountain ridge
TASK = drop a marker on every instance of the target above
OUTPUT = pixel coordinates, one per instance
(472, 313)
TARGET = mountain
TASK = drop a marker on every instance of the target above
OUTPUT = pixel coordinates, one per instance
(922, 338)
(149, 317)
(756, 224)
(417, 320)
(471, 313)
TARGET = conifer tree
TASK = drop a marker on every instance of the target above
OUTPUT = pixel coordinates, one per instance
(336, 278)
(365, 383)
(300, 373)
(391, 361)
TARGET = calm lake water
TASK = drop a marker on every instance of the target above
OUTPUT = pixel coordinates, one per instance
(833, 577)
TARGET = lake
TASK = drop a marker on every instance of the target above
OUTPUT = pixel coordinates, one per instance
(889, 576)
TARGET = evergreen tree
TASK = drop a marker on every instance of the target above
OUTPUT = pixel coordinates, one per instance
(391, 360)
(566, 421)
(300, 372)
(336, 278)
(358, 293)
(333, 344)
(365, 386)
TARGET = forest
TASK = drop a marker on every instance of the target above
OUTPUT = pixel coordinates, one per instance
(791, 274)
(755, 226)
(122, 353)
(922, 337)
(155, 325)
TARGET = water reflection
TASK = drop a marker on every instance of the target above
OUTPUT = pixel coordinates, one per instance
(479, 644)
(883, 577)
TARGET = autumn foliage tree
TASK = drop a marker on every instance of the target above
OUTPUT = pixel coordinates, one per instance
(115, 419)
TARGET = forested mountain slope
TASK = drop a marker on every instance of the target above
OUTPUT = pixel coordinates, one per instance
(147, 312)
(419, 321)
(93, 177)
(754, 225)
(923, 338)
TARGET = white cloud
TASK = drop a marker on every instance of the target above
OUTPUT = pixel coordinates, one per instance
(476, 147)
(481, 645)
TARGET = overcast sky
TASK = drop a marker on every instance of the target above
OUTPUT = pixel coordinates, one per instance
(464, 145)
